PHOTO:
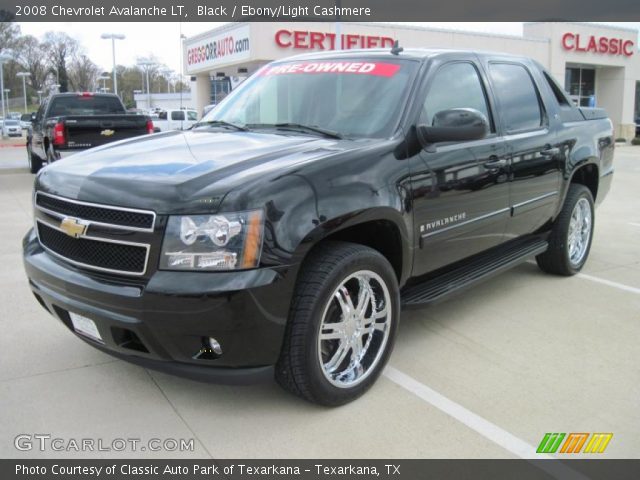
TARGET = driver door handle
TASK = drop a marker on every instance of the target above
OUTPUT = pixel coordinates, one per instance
(550, 152)
(495, 163)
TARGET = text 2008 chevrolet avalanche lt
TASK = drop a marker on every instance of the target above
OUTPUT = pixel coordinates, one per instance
(285, 231)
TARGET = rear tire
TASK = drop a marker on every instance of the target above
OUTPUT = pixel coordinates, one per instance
(342, 324)
(570, 239)
(35, 163)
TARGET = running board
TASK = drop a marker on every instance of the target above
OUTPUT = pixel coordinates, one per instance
(471, 272)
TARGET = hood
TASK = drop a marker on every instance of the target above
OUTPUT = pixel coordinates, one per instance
(174, 171)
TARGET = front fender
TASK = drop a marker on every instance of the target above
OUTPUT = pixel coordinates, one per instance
(341, 223)
(309, 203)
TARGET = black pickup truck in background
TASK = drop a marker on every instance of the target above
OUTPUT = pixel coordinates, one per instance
(67, 123)
(281, 235)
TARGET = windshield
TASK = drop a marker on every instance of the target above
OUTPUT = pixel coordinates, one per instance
(354, 98)
(11, 123)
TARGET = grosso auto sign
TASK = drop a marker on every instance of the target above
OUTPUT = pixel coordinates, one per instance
(303, 39)
(599, 45)
(222, 48)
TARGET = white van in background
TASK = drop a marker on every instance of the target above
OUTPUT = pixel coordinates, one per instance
(175, 120)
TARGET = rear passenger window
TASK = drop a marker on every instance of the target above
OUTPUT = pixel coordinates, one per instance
(557, 91)
(517, 95)
(179, 115)
(456, 85)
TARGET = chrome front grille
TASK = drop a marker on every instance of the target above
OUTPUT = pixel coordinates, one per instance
(99, 214)
(112, 240)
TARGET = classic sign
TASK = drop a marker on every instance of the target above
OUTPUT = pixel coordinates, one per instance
(599, 45)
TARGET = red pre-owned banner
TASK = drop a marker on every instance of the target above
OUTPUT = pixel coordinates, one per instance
(361, 68)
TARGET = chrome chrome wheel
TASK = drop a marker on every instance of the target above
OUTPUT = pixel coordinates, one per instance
(354, 329)
(579, 231)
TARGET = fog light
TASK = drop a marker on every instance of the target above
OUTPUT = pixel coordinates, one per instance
(215, 346)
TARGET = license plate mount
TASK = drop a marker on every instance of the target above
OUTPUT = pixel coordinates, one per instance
(85, 326)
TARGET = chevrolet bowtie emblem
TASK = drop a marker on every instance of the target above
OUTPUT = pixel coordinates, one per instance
(73, 227)
(107, 132)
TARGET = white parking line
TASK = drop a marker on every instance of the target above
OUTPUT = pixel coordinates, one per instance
(490, 431)
(620, 286)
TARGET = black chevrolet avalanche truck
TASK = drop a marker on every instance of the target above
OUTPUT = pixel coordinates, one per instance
(283, 234)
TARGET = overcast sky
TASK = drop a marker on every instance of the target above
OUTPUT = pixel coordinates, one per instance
(163, 39)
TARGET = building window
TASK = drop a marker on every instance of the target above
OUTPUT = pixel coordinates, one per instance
(581, 85)
(220, 88)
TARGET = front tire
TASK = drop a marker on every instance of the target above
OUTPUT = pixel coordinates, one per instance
(35, 163)
(342, 324)
(570, 239)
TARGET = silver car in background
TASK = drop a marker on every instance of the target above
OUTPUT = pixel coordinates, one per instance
(11, 128)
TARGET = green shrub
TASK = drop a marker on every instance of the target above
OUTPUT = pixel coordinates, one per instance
(620, 139)
(635, 141)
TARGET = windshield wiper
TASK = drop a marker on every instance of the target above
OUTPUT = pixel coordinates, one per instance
(221, 123)
(300, 127)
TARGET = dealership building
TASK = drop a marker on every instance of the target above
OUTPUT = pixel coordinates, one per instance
(598, 65)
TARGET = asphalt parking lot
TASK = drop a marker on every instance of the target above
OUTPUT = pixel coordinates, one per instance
(486, 374)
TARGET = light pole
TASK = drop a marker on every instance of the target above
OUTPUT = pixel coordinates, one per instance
(57, 87)
(167, 73)
(104, 79)
(40, 92)
(338, 26)
(24, 76)
(113, 37)
(147, 64)
(3, 58)
(5, 93)
(183, 37)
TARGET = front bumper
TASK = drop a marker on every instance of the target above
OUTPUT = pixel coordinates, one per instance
(163, 323)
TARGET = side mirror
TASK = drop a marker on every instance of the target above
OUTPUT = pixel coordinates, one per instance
(454, 125)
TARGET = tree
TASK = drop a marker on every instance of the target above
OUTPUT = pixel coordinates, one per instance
(32, 58)
(129, 79)
(61, 48)
(9, 35)
(83, 74)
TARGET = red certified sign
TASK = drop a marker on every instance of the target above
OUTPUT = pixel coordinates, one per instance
(303, 39)
(358, 68)
(600, 45)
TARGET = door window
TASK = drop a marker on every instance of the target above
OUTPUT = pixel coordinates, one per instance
(177, 115)
(518, 97)
(456, 85)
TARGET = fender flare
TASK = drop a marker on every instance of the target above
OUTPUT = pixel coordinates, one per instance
(375, 214)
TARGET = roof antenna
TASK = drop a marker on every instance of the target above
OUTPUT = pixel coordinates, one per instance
(396, 49)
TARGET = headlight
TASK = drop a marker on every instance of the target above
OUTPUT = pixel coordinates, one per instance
(229, 241)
